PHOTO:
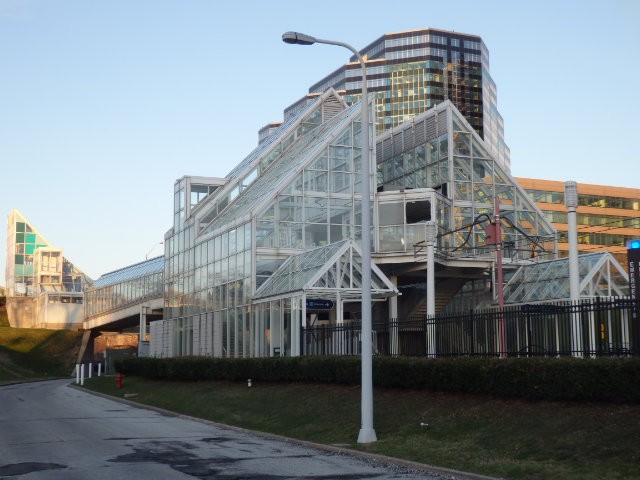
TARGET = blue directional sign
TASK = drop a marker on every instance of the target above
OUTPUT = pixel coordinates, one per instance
(319, 304)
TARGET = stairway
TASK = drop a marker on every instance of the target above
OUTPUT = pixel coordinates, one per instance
(445, 291)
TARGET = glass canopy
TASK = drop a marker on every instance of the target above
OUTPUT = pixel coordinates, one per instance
(334, 268)
(153, 265)
(600, 275)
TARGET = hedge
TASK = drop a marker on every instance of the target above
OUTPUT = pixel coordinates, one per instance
(602, 379)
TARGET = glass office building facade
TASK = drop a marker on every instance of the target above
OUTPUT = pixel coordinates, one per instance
(34, 265)
(44, 289)
(607, 217)
(412, 71)
(22, 241)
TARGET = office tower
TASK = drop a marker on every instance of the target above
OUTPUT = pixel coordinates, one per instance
(410, 72)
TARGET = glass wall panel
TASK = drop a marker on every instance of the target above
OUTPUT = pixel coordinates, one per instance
(341, 210)
(341, 183)
(461, 143)
(290, 208)
(392, 238)
(316, 209)
(316, 235)
(290, 235)
(391, 213)
(265, 234)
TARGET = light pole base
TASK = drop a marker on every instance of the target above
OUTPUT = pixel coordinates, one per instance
(367, 435)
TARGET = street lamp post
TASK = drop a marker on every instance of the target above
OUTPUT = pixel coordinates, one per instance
(367, 434)
(571, 201)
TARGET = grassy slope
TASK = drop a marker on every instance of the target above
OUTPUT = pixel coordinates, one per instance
(506, 438)
(28, 353)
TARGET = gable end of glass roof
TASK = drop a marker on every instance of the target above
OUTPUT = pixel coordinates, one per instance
(289, 164)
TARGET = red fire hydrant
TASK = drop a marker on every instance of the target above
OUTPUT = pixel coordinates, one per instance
(119, 381)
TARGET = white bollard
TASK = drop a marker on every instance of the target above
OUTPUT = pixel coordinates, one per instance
(90, 369)
(99, 368)
(77, 373)
(82, 374)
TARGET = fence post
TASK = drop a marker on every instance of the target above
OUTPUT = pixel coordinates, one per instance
(528, 336)
(576, 330)
(393, 337)
(324, 340)
(431, 335)
(599, 329)
(472, 329)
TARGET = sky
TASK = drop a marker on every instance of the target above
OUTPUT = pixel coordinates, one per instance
(104, 104)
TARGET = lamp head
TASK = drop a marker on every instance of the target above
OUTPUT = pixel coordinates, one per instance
(571, 194)
(298, 38)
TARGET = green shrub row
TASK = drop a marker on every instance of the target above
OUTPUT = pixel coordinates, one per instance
(343, 370)
(603, 379)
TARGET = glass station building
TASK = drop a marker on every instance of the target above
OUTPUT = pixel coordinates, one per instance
(275, 245)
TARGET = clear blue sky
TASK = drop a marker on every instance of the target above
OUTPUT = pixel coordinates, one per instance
(104, 104)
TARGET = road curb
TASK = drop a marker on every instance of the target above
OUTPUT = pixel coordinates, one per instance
(30, 380)
(446, 472)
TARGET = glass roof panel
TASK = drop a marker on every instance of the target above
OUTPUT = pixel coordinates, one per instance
(550, 280)
(311, 111)
(331, 267)
(153, 265)
(295, 273)
(289, 163)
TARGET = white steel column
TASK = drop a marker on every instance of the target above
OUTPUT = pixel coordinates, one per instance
(142, 336)
(339, 309)
(296, 322)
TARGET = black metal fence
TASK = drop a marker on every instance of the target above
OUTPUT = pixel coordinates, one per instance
(599, 327)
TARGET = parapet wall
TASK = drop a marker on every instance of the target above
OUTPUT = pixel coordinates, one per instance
(21, 312)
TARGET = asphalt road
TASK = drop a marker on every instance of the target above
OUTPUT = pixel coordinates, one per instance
(51, 431)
